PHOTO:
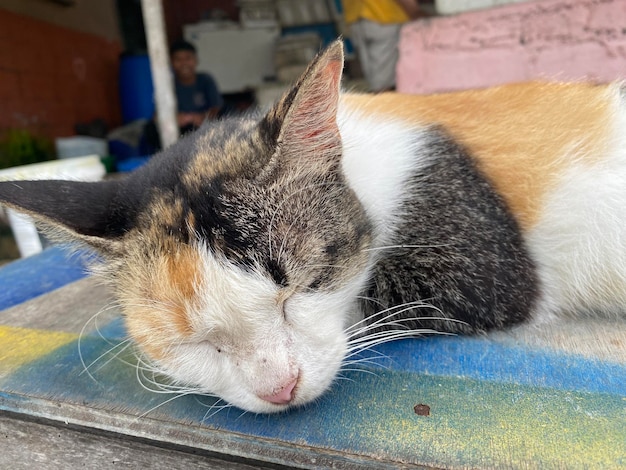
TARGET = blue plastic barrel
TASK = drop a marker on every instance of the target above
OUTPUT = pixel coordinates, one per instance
(136, 88)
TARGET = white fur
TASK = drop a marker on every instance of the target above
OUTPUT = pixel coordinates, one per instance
(263, 342)
(579, 244)
(379, 155)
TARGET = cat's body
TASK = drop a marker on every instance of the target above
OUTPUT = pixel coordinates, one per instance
(253, 257)
(556, 154)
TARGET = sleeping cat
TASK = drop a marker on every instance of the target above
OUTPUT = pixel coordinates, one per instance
(255, 255)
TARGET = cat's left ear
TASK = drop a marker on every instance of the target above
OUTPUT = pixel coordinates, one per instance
(73, 210)
(303, 124)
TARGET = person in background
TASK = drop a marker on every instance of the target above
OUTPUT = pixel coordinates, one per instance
(197, 95)
(375, 31)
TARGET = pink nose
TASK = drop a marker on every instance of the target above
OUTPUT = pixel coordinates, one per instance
(283, 396)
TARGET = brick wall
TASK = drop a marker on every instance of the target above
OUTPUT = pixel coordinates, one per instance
(555, 39)
(53, 77)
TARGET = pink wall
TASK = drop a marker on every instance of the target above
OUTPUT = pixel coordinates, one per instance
(555, 39)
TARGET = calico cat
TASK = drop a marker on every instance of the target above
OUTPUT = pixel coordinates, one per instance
(255, 255)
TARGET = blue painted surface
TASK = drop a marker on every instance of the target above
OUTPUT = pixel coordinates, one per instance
(485, 359)
(30, 277)
(475, 423)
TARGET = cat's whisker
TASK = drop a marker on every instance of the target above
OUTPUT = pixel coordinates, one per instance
(383, 321)
(364, 365)
(176, 393)
(165, 389)
(169, 400)
(147, 364)
(370, 299)
(216, 408)
(139, 363)
(241, 415)
(370, 338)
(391, 324)
(385, 337)
(144, 365)
(341, 377)
(160, 387)
(366, 360)
(400, 323)
(83, 333)
(383, 333)
(373, 351)
(394, 307)
(357, 369)
(365, 349)
(121, 347)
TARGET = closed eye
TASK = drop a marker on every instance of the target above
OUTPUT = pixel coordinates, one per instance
(277, 273)
(282, 299)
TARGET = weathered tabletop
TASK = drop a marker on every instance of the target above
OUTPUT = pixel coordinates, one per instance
(553, 397)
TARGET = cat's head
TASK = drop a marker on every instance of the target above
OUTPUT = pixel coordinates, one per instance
(238, 253)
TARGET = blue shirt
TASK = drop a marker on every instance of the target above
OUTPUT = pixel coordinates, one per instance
(199, 97)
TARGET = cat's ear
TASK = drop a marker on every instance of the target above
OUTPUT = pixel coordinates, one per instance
(73, 210)
(304, 122)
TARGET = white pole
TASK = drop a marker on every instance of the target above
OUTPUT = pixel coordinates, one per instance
(160, 66)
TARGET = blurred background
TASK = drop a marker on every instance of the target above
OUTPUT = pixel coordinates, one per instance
(75, 76)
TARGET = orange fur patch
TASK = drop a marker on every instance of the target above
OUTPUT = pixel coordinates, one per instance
(172, 284)
(522, 135)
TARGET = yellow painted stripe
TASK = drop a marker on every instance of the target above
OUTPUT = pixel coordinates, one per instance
(19, 346)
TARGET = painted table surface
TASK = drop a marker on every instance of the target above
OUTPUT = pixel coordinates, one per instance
(549, 397)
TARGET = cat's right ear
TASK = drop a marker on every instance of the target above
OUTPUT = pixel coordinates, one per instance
(75, 211)
(303, 123)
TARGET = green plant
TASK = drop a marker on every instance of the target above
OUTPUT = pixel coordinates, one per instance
(20, 147)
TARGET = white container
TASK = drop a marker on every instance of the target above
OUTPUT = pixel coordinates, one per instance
(237, 58)
(80, 146)
(87, 168)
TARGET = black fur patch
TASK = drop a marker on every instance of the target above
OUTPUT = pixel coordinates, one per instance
(471, 264)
